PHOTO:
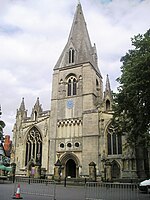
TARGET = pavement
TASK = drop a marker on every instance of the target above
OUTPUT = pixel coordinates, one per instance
(62, 193)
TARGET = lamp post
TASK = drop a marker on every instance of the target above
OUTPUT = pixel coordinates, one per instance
(59, 171)
(13, 165)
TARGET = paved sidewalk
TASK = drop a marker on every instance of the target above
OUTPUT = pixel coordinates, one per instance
(62, 193)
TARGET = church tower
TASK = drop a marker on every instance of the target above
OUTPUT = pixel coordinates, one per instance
(76, 138)
(76, 95)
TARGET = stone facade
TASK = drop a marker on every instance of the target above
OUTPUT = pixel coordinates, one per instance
(75, 138)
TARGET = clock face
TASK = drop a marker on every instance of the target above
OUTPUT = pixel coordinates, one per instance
(70, 104)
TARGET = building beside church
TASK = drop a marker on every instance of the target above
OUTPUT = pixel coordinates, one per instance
(7, 145)
(77, 131)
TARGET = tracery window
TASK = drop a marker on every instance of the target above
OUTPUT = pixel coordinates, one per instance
(72, 86)
(71, 55)
(33, 146)
(114, 141)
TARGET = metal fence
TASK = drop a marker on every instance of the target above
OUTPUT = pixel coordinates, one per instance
(109, 191)
(35, 187)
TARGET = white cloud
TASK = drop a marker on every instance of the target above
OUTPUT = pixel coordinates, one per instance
(34, 33)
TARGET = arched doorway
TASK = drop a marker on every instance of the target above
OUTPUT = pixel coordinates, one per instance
(70, 165)
(115, 170)
(71, 168)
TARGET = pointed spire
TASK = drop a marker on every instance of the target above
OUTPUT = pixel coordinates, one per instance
(78, 40)
(108, 92)
(37, 102)
(22, 110)
(107, 84)
(22, 106)
(37, 109)
(37, 106)
(79, 28)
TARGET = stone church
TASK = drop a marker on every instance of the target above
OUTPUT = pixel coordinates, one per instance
(76, 134)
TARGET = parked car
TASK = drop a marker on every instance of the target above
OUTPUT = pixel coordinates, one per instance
(145, 185)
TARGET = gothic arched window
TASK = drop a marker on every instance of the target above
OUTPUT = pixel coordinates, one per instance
(33, 146)
(72, 86)
(71, 55)
(69, 87)
(35, 115)
(107, 105)
(114, 141)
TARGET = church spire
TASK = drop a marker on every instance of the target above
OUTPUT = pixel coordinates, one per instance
(79, 43)
(107, 89)
(22, 110)
(108, 92)
(22, 106)
(37, 109)
(38, 106)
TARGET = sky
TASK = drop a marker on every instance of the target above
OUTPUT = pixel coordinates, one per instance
(33, 34)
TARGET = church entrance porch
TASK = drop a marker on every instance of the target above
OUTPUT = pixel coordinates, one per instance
(70, 165)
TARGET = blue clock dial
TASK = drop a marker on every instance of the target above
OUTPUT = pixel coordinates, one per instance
(70, 104)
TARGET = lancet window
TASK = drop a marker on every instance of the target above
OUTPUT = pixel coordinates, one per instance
(107, 105)
(71, 55)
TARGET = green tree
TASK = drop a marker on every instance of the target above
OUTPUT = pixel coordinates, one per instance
(132, 102)
(2, 125)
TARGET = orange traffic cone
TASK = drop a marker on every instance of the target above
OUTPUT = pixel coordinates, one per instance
(17, 195)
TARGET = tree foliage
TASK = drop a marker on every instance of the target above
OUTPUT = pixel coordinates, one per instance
(2, 125)
(132, 102)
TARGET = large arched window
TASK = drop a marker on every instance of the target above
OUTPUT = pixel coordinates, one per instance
(33, 146)
(114, 141)
(71, 55)
(72, 86)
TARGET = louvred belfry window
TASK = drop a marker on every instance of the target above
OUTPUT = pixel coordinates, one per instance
(71, 55)
(69, 87)
(72, 86)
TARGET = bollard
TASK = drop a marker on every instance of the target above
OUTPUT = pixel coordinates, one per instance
(65, 181)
